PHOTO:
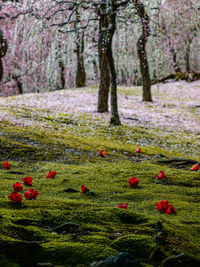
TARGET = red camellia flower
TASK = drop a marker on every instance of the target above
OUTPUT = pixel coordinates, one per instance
(15, 197)
(122, 206)
(84, 189)
(161, 175)
(31, 194)
(51, 174)
(17, 187)
(138, 150)
(195, 167)
(162, 206)
(27, 180)
(171, 210)
(102, 154)
(6, 166)
(133, 181)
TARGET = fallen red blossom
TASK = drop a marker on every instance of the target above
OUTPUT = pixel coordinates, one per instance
(51, 174)
(133, 182)
(84, 189)
(123, 206)
(102, 154)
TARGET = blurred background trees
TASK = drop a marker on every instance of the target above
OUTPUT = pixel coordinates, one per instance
(61, 44)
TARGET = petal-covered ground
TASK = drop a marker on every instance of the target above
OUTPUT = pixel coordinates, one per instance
(176, 105)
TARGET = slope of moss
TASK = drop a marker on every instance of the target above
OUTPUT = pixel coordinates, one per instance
(38, 141)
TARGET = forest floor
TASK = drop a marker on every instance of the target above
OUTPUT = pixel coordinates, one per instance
(61, 131)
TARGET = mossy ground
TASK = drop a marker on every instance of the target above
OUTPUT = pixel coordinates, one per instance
(69, 144)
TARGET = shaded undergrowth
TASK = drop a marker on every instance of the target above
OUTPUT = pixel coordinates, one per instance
(37, 141)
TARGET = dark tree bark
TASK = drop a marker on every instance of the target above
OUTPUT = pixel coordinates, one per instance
(114, 120)
(80, 71)
(19, 84)
(103, 62)
(187, 55)
(1, 69)
(3, 50)
(141, 49)
(174, 58)
(95, 69)
(62, 74)
(107, 13)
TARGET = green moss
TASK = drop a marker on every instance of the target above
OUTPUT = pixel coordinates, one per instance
(138, 246)
(75, 253)
(97, 239)
(8, 263)
(69, 144)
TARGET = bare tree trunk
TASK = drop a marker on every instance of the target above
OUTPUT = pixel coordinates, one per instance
(62, 74)
(80, 71)
(174, 58)
(187, 55)
(1, 69)
(19, 84)
(3, 50)
(103, 65)
(107, 26)
(114, 120)
(141, 49)
(95, 69)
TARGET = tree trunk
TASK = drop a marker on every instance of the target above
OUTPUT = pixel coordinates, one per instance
(174, 58)
(141, 49)
(103, 65)
(114, 120)
(80, 71)
(187, 56)
(95, 69)
(62, 74)
(107, 26)
(1, 69)
(19, 84)
(3, 50)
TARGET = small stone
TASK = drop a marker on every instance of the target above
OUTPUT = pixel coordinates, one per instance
(122, 259)
(67, 227)
(158, 156)
(156, 255)
(181, 260)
